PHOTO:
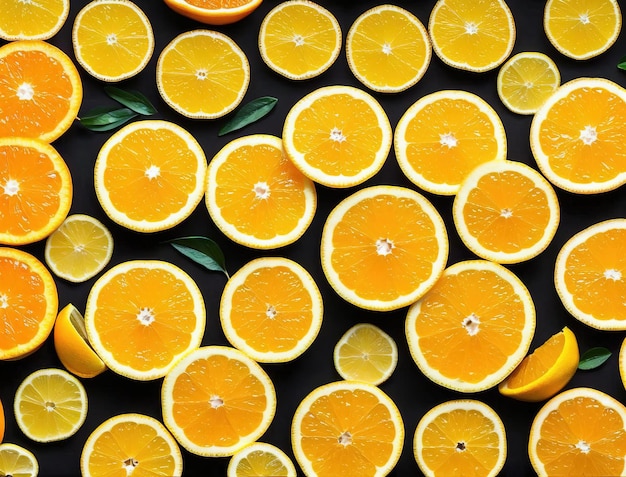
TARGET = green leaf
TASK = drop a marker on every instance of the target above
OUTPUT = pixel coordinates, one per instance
(201, 250)
(593, 358)
(131, 99)
(105, 119)
(251, 112)
(622, 63)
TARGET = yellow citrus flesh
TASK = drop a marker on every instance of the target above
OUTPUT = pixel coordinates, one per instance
(260, 459)
(32, 20)
(50, 405)
(2, 422)
(18, 461)
(202, 74)
(460, 437)
(388, 49)
(299, 39)
(214, 12)
(112, 39)
(622, 363)
(546, 371)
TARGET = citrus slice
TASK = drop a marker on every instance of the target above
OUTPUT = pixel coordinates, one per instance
(347, 428)
(214, 12)
(28, 303)
(112, 39)
(50, 405)
(473, 36)
(388, 49)
(460, 437)
(260, 459)
(142, 315)
(506, 211)
(526, 81)
(580, 431)
(41, 91)
(79, 249)
(2, 422)
(338, 136)
(365, 353)
(72, 345)
(546, 371)
(299, 39)
(202, 74)
(150, 175)
(271, 309)
(35, 190)
(256, 196)
(132, 444)
(383, 247)
(588, 275)
(444, 135)
(582, 29)
(222, 389)
(17, 461)
(577, 136)
(622, 363)
(473, 328)
(25, 20)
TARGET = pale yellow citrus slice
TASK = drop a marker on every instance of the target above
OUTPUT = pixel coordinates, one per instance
(28, 20)
(622, 362)
(17, 461)
(214, 12)
(260, 459)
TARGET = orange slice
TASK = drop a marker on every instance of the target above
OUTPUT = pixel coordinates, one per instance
(214, 12)
(588, 275)
(622, 363)
(35, 190)
(217, 388)
(383, 247)
(506, 212)
(256, 196)
(473, 328)
(260, 459)
(338, 136)
(27, 20)
(2, 423)
(142, 316)
(16, 460)
(28, 303)
(577, 136)
(444, 135)
(388, 49)
(347, 428)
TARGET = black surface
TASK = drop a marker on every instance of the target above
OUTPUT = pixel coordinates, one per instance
(414, 394)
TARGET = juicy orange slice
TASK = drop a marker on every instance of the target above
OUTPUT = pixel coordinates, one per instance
(16, 460)
(261, 459)
(27, 20)
(214, 12)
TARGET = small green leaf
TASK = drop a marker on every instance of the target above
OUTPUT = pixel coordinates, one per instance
(131, 99)
(105, 119)
(622, 63)
(593, 358)
(251, 112)
(201, 250)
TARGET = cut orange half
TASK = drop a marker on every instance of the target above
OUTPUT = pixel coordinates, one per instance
(214, 12)
(28, 20)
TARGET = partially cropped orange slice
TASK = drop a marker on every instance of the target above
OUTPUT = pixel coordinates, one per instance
(214, 12)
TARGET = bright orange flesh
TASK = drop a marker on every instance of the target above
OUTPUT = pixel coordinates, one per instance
(214, 12)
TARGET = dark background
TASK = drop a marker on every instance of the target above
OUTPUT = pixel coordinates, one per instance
(110, 394)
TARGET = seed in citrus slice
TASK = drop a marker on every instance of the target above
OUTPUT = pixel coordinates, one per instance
(132, 444)
(79, 249)
(150, 175)
(50, 405)
(256, 196)
(383, 247)
(506, 211)
(347, 428)
(221, 389)
(582, 29)
(580, 431)
(338, 136)
(299, 39)
(444, 135)
(388, 49)
(35, 190)
(17, 461)
(460, 437)
(41, 91)
(142, 316)
(271, 309)
(588, 275)
(577, 136)
(214, 12)
(473, 328)
(28, 303)
(27, 20)
(112, 39)
(365, 353)
(473, 36)
(260, 459)
(202, 74)
(72, 345)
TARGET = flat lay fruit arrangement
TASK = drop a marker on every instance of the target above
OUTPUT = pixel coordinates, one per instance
(287, 238)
